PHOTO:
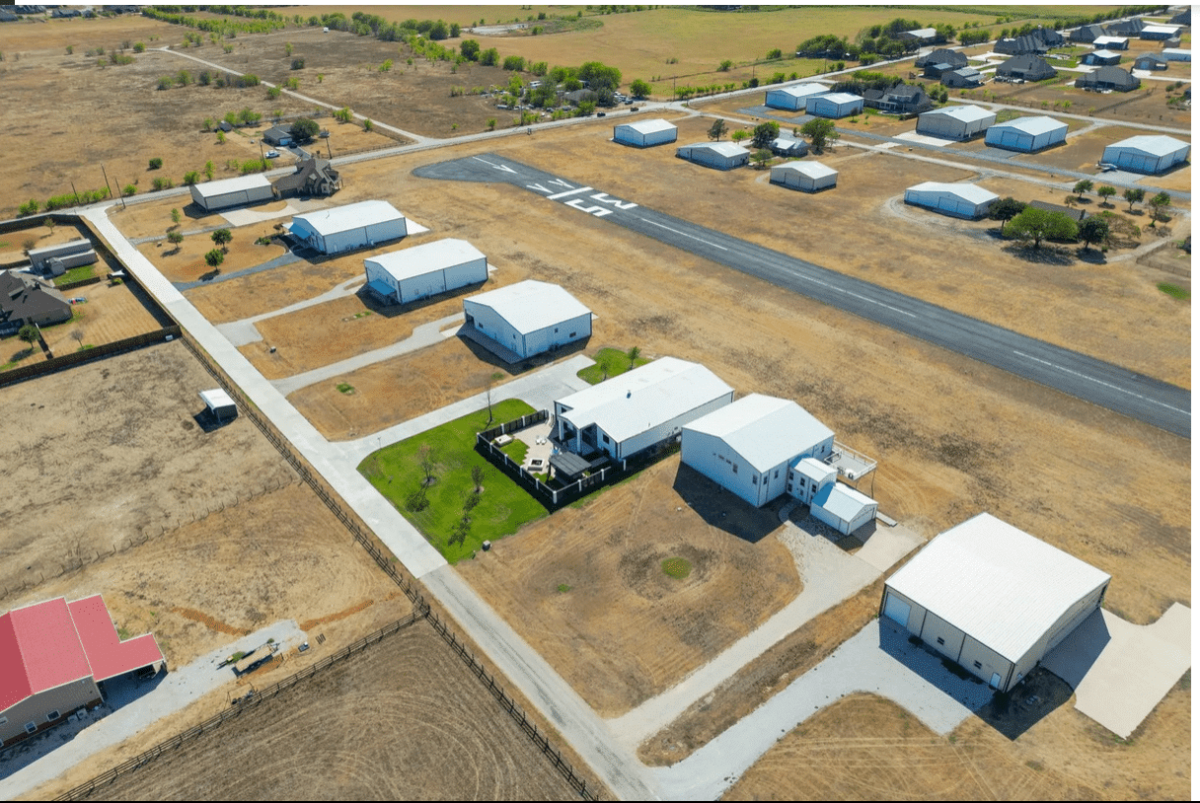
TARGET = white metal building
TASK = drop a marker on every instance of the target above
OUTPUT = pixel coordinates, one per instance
(1111, 43)
(1027, 134)
(1159, 32)
(212, 195)
(955, 122)
(748, 447)
(528, 317)
(1147, 154)
(807, 176)
(402, 277)
(219, 403)
(55, 260)
(1102, 58)
(958, 200)
(835, 105)
(343, 228)
(1177, 54)
(794, 98)
(644, 133)
(808, 476)
(721, 155)
(992, 598)
(638, 409)
(842, 508)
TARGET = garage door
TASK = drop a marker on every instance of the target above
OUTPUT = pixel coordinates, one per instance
(1010, 138)
(897, 610)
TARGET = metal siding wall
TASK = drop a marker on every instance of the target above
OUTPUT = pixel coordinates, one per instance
(65, 699)
(469, 272)
(917, 614)
(417, 287)
(665, 430)
(698, 452)
(662, 137)
(990, 662)
(495, 327)
(935, 628)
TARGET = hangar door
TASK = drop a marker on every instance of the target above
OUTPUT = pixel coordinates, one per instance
(1010, 138)
(897, 610)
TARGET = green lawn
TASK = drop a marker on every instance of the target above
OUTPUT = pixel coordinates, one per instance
(503, 507)
(617, 362)
(76, 275)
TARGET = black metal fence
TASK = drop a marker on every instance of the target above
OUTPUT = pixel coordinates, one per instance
(24, 372)
(515, 425)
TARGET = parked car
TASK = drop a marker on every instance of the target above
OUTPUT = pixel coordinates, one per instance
(272, 154)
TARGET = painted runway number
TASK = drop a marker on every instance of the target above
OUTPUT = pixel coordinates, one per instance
(582, 204)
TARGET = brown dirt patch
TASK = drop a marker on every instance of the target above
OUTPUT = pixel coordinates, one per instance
(399, 707)
(624, 630)
(1147, 104)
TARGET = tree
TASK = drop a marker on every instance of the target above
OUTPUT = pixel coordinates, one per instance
(717, 129)
(305, 129)
(209, 169)
(760, 157)
(477, 477)
(287, 47)
(77, 336)
(469, 48)
(599, 75)
(1105, 192)
(725, 66)
(175, 237)
(367, 124)
(819, 133)
(1159, 205)
(640, 89)
(1038, 224)
(1082, 186)
(175, 216)
(740, 135)
(222, 237)
(221, 137)
(29, 333)
(214, 258)
(1006, 210)
(765, 134)
(191, 177)
(1093, 230)
(633, 355)
(491, 124)
(1134, 195)
(298, 63)
(428, 464)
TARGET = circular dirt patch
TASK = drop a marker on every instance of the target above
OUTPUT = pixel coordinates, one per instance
(643, 569)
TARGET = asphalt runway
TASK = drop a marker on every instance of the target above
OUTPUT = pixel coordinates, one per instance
(1138, 396)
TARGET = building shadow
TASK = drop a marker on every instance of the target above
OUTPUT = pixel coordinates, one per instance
(372, 302)
(209, 423)
(513, 369)
(723, 510)
(1014, 712)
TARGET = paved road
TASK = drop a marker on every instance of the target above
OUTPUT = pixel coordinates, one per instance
(1110, 386)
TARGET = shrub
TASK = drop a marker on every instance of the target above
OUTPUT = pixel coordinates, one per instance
(274, 92)
(166, 82)
(129, 189)
(162, 183)
(298, 64)
(191, 177)
(155, 163)
(27, 208)
(139, 47)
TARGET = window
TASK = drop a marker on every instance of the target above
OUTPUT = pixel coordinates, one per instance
(571, 335)
(776, 474)
(3, 720)
(31, 727)
(802, 482)
(978, 665)
(754, 479)
(556, 330)
(604, 438)
(53, 715)
(735, 468)
(941, 640)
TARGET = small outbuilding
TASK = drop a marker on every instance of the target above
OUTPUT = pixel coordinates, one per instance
(1102, 58)
(991, 598)
(843, 508)
(794, 98)
(220, 405)
(1147, 154)
(1159, 32)
(964, 78)
(402, 277)
(835, 105)
(213, 195)
(342, 228)
(789, 147)
(1150, 61)
(1177, 54)
(528, 318)
(55, 260)
(278, 135)
(645, 133)
(943, 55)
(719, 155)
(968, 201)
(955, 122)
(1027, 134)
(807, 176)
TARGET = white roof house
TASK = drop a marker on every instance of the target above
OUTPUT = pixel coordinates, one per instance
(1147, 153)
(1177, 54)
(1159, 31)
(959, 200)
(994, 595)
(528, 317)
(1111, 42)
(351, 226)
(211, 195)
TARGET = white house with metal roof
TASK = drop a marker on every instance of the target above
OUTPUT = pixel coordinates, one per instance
(958, 200)
(748, 447)
(721, 155)
(807, 176)
(645, 133)
(1147, 153)
(843, 508)
(992, 598)
(835, 105)
(794, 98)
(955, 122)
(1027, 134)
(528, 317)
(401, 277)
(638, 409)
(213, 195)
(343, 228)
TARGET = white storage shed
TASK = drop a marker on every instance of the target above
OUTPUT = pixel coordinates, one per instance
(842, 508)
(342, 228)
(213, 195)
(528, 317)
(219, 403)
(957, 200)
(992, 598)
(721, 155)
(955, 122)
(401, 277)
(645, 133)
(1147, 154)
(748, 447)
(1177, 54)
(794, 98)
(1027, 134)
(807, 176)
(835, 105)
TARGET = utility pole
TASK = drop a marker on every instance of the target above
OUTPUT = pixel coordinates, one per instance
(106, 184)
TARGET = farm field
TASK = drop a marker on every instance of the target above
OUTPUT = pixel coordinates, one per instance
(588, 589)
(395, 712)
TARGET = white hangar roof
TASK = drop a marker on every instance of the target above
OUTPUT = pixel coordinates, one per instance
(1160, 145)
(1169, 30)
(722, 148)
(972, 193)
(965, 114)
(347, 218)
(814, 469)
(764, 430)
(634, 402)
(649, 126)
(531, 305)
(840, 97)
(1106, 54)
(211, 189)
(425, 258)
(998, 584)
(1032, 125)
(1105, 41)
(803, 90)
(813, 170)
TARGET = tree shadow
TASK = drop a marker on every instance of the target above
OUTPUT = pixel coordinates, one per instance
(1046, 255)
(1092, 256)
(212, 274)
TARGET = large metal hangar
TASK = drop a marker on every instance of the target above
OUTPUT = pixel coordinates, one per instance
(807, 176)
(401, 277)
(992, 598)
(957, 122)
(835, 105)
(1027, 134)
(645, 133)
(721, 155)
(528, 317)
(213, 195)
(794, 98)
(958, 200)
(343, 228)
(1147, 154)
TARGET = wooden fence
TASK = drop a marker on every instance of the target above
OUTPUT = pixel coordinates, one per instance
(24, 372)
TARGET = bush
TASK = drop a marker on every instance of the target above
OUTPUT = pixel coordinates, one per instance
(155, 163)
(161, 183)
(298, 64)
(166, 82)
(191, 177)
(27, 208)
(129, 189)
(139, 47)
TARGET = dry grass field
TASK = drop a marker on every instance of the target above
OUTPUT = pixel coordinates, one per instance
(1147, 105)
(403, 720)
(185, 262)
(586, 587)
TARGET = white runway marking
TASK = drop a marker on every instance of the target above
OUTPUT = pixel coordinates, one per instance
(1188, 413)
(684, 233)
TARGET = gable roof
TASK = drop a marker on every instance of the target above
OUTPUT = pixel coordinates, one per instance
(811, 169)
(1153, 144)
(813, 469)
(972, 193)
(722, 148)
(764, 430)
(211, 189)
(942, 55)
(349, 217)
(106, 653)
(966, 114)
(805, 90)
(531, 305)
(649, 126)
(840, 97)
(842, 501)
(426, 258)
(23, 296)
(1026, 63)
(1033, 125)
(1109, 75)
(41, 651)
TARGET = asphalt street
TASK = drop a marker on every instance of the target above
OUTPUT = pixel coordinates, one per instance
(1127, 392)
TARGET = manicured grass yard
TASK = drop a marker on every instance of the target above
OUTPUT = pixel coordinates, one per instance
(503, 506)
(76, 275)
(617, 362)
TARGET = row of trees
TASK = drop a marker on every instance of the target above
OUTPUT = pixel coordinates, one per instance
(819, 132)
(1031, 224)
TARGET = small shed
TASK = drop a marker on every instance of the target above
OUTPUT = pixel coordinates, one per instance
(794, 98)
(968, 201)
(1027, 134)
(1159, 32)
(835, 105)
(1147, 154)
(808, 476)
(645, 133)
(807, 176)
(55, 260)
(278, 135)
(843, 508)
(964, 78)
(401, 277)
(1102, 58)
(213, 195)
(720, 155)
(955, 122)
(219, 404)
(789, 146)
